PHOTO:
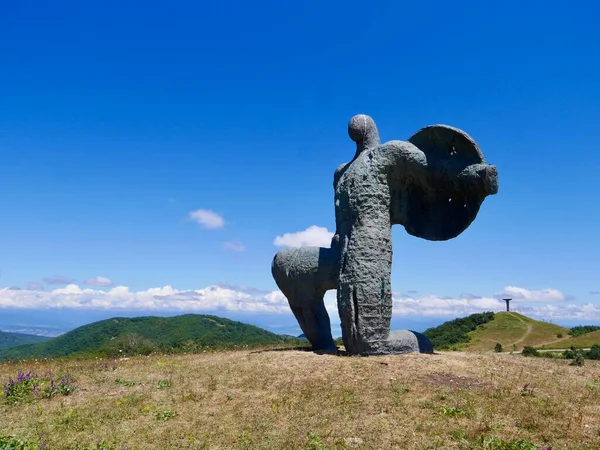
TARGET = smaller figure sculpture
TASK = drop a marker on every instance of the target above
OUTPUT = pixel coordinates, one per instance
(433, 184)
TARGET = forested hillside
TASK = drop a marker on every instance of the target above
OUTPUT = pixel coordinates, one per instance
(143, 335)
(8, 340)
(456, 331)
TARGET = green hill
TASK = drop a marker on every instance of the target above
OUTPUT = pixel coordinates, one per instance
(583, 329)
(481, 332)
(143, 335)
(581, 341)
(8, 340)
(513, 330)
(455, 333)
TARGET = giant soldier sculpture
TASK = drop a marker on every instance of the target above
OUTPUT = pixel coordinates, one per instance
(433, 185)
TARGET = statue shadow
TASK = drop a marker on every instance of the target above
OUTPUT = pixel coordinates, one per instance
(302, 348)
(340, 352)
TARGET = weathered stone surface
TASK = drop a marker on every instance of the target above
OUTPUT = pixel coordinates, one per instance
(304, 275)
(433, 185)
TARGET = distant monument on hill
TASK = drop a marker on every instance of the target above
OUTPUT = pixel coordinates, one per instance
(433, 185)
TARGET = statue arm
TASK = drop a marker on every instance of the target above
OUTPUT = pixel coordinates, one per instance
(434, 196)
(401, 156)
(336, 178)
(482, 178)
(410, 163)
(337, 174)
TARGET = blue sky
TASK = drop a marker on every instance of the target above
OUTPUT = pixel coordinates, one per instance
(120, 121)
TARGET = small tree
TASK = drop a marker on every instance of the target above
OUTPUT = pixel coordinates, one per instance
(498, 347)
(529, 351)
(594, 352)
(572, 353)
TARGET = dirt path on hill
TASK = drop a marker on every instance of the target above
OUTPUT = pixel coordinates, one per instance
(527, 333)
(553, 342)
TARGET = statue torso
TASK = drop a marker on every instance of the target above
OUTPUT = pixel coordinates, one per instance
(362, 209)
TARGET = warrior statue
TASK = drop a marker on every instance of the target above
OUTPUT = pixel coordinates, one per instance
(433, 184)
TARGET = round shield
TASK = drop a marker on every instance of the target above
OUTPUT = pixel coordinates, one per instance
(435, 205)
(442, 142)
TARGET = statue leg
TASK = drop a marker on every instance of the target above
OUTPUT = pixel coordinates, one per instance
(314, 322)
(365, 296)
(304, 275)
(365, 312)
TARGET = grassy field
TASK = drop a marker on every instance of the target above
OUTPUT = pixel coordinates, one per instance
(510, 329)
(583, 341)
(293, 399)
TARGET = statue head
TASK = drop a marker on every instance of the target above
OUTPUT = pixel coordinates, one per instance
(363, 131)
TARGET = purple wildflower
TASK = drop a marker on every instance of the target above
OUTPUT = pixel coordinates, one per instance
(22, 376)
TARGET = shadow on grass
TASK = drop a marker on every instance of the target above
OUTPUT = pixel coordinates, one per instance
(340, 352)
(302, 348)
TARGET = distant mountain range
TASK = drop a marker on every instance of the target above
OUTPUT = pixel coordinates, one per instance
(196, 332)
(143, 335)
(8, 339)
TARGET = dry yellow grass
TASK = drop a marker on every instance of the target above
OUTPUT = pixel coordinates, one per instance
(276, 399)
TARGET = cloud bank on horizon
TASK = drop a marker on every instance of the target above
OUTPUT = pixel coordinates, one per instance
(545, 303)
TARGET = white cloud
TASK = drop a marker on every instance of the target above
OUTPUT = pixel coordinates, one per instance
(243, 299)
(208, 219)
(583, 312)
(98, 281)
(235, 246)
(167, 298)
(312, 236)
(527, 295)
(433, 306)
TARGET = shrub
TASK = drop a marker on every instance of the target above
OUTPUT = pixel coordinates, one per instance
(315, 443)
(559, 335)
(498, 347)
(594, 352)
(13, 443)
(164, 415)
(529, 351)
(129, 345)
(572, 353)
(522, 444)
(163, 384)
(577, 361)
